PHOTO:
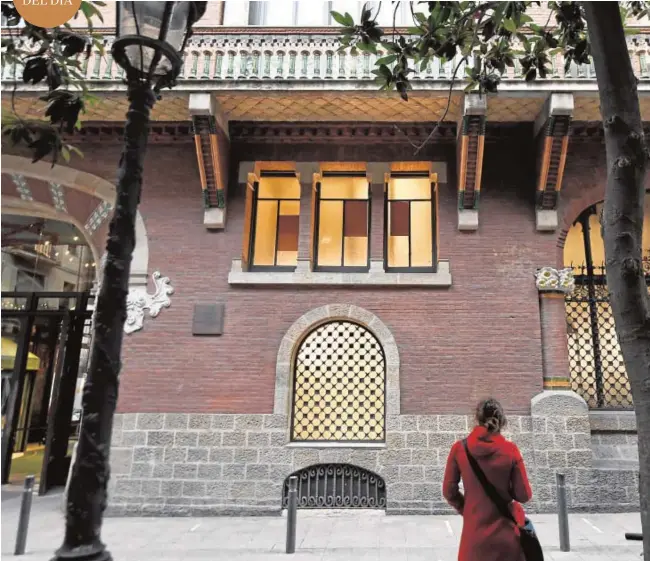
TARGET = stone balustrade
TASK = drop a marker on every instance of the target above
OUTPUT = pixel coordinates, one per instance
(280, 57)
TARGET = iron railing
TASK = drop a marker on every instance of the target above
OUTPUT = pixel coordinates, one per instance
(337, 486)
(595, 360)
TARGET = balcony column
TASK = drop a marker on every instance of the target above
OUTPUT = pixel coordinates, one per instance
(552, 129)
(553, 286)
(212, 151)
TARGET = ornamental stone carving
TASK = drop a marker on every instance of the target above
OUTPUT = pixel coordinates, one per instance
(549, 279)
(140, 300)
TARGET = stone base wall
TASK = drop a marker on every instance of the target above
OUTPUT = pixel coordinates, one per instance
(196, 464)
(614, 440)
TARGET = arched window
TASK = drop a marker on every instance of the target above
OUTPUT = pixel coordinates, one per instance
(339, 385)
(595, 359)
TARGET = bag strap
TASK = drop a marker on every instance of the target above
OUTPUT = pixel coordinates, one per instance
(490, 490)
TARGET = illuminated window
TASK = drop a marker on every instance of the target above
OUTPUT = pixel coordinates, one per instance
(341, 221)
(339, 385)
(410, 221)
(272, 220)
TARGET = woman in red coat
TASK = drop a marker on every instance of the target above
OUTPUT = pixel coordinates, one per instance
(487, 535)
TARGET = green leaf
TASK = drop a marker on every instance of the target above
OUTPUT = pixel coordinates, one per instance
(414, 31)
(386, 60)
(65, 153)
(339, 18)
(510, 25)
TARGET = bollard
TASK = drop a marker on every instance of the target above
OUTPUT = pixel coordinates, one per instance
(23, 521)
(292, 505)
(562, 512)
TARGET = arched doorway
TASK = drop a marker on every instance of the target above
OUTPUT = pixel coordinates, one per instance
(595, 359)
(339, 385)
(48, 269)
(337, 486)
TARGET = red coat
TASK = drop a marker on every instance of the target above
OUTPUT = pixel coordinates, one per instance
(487, 536)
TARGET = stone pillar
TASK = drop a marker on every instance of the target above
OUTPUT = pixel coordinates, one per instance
(553, 286)
(306, 170)
(561, 444)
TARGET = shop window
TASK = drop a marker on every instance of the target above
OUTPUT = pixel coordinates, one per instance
(341, 221)
(410, 205)
(272, 220)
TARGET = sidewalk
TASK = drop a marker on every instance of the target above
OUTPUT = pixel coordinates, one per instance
(321, 536)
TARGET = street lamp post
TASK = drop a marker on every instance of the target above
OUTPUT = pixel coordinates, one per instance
(149, 41)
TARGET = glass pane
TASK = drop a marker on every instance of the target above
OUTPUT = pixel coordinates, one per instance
(14, 303)
(290, 208)
(421, 235)
(398, 251)
(356, 252)
(405, 188)
(287, 258)
(279, 188)
(344, 188)
(330, 233)
(265, 232)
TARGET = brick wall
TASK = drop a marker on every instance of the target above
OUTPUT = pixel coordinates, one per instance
(483, 333)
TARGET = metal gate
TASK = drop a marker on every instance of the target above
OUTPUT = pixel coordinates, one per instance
(595, 359)
(337, 486)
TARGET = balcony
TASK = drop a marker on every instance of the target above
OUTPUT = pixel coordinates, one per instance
(239, 59)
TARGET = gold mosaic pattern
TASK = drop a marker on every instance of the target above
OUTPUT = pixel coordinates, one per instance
(379, 106)
(111, 107)
(511, 109)
(339, 385)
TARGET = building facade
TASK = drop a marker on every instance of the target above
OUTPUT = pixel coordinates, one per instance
(324, 287)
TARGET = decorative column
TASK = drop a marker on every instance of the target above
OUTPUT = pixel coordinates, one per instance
(212, 147)
(553, 286)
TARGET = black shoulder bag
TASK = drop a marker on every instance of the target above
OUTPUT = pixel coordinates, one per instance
(529, 541)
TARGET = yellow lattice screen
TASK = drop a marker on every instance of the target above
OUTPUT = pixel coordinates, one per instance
(339, 385)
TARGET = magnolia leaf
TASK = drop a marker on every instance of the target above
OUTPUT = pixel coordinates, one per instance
(386, 60)
(510, 25)
(339, 18)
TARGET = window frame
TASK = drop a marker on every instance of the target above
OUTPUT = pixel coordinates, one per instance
(316, 219)
(434, 219)
(253, 225)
